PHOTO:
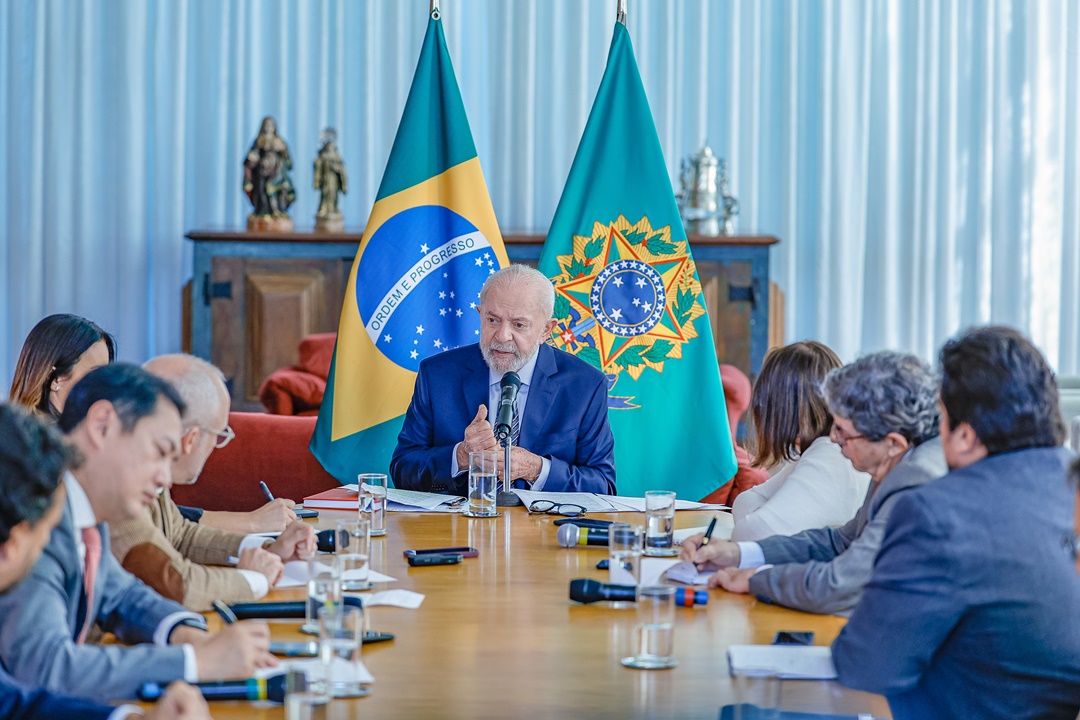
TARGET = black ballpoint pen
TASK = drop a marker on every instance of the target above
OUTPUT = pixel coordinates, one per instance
(708, 532)
(266, 491)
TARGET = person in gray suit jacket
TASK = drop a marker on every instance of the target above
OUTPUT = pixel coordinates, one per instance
(885, 419)
(971, 610)
(32, 461)
(124, 424)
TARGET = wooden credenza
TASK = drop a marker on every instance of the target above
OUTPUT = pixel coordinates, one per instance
(254, 296)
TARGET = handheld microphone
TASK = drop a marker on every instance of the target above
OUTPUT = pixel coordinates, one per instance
(271, 688)
(283, 610)
(325, 540)
(570, 535)
(589, 591)
(505, 419)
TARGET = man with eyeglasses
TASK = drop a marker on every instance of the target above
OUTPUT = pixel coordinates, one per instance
(187, 561)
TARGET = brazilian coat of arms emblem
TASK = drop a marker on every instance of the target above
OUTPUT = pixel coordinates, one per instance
(626, 300)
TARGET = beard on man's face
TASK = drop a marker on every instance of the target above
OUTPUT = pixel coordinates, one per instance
(505, 365)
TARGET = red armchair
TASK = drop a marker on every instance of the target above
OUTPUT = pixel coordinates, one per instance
(299, 390)
(737, 398)
(273, 448)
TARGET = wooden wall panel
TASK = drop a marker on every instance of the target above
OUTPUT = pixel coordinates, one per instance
(282, 309)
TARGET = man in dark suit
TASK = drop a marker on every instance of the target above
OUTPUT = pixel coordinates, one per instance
(565, 441)
(971, 610)
(125, 426)
(32, 460)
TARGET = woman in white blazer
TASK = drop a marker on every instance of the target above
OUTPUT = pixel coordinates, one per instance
(815, 485)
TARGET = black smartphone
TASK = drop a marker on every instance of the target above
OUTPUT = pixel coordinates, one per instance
(793, 637)
(584, 522)
(603, 564)
(427, 560)
(305, 513)
(465, 552)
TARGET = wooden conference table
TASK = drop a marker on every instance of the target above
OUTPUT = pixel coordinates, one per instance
(497, 635)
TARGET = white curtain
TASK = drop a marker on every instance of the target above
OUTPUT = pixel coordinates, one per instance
(919, 159)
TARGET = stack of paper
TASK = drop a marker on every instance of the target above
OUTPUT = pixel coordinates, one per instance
(789, 662)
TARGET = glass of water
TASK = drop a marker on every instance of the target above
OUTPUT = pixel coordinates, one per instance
(352, 542)
(323, 589)
(625, 544)
(341, 635)
(483, 481)
(660, 523)
(655, 629)
(306, 693)
(373, 491)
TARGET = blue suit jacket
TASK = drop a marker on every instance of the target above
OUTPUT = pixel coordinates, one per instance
(43, 614)
(972, 608)
(565, 420)
(20, 703)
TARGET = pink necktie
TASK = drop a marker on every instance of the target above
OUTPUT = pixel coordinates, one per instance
(92, 539)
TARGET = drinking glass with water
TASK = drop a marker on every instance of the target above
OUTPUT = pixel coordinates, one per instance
(625, 543)
(483, 483)
(353, 547)
(323, 589)
(373, 493)
(341, 635)
(660, 523)
(655, 629)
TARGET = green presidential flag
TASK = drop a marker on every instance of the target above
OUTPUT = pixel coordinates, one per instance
(430, 242)
(628, 298)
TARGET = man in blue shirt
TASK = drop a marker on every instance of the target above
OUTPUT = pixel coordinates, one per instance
(32, 460)
(971, 610)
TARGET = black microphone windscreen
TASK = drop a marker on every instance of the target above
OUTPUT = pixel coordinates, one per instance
(585, 590)
(510, 379)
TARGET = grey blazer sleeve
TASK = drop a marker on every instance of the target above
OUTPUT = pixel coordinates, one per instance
(36, 638)
(822, 544)
(830, 587)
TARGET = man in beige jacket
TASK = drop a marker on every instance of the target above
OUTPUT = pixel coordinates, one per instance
(189, 562)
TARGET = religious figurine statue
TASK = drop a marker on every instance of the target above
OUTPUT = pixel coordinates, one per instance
(729, 206)
(266, 180)
(330, 179)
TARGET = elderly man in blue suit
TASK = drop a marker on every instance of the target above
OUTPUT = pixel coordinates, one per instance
(125, 426)
(32, 461)
(565, 441)
(971, 610)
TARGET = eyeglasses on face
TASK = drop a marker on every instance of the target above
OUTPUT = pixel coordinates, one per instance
(221, 437)
(553, 508)
(838, 436)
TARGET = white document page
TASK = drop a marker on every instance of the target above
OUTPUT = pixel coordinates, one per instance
(296, 575)
(790, 662)
(688, 574)
(590, 501)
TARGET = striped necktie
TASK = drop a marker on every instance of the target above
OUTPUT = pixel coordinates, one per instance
(515, 426)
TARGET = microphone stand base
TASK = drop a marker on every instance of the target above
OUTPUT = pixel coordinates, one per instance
(507, 499)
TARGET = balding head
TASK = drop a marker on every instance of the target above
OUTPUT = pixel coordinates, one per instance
(202, 388)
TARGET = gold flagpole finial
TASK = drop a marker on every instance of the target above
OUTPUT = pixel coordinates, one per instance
(620, 12)
(433, 10)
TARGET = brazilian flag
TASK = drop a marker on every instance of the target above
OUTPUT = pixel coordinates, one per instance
(628, 298)
(431, 241)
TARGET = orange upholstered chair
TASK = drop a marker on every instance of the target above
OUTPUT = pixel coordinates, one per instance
(273, 448)
(737, 398)
(298, 390)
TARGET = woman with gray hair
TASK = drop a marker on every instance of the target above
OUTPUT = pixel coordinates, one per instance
(885, 420)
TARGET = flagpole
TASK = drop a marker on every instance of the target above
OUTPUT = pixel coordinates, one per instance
(433, 9)
(620, 12)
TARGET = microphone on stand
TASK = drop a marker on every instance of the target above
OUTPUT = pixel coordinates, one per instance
(589, 591)
(504, 427)
(504, 420)
(571, 535)
(271, 688)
